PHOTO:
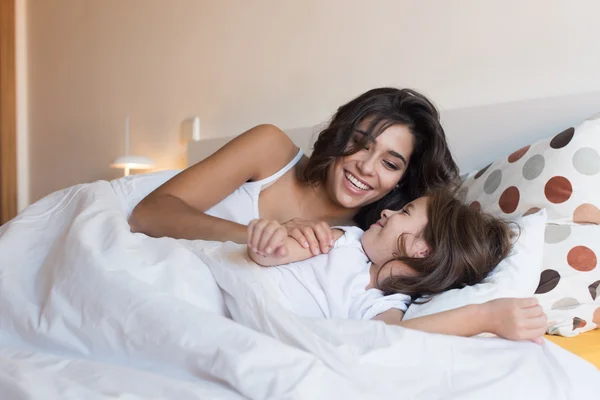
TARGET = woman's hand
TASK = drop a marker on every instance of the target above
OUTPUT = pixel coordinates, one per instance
(316, 236)
(516, 319)
(267, 237)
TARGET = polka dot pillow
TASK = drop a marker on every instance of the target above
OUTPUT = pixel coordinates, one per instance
(569, 287)
(560, 174)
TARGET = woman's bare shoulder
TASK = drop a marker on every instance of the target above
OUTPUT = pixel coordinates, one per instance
(269, 145)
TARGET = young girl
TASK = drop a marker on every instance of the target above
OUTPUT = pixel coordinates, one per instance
(433, 244)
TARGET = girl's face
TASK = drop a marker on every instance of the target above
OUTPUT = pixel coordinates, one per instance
(397, 233)
(369, 174)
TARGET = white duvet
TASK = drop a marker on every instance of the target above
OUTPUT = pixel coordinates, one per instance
(89, 310)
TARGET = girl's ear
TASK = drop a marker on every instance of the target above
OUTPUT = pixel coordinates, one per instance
(421, 249)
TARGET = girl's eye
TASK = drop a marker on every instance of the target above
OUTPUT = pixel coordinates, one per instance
(404, 211)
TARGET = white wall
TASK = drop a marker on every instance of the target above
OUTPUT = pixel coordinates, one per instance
(239, 63)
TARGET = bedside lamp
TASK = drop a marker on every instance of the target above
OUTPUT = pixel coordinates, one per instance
(128, 162)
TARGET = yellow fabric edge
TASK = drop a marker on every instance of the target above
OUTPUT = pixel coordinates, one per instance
(585, 345)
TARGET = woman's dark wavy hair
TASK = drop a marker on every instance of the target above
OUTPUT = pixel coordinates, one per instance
(431, 165)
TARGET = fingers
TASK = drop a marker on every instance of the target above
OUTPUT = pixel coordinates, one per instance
(277, 240)
(536, 323)
(533, 312)
(280, 251)
(255, 229)
(538, 340)
(252, 236)
(299, 237)
(536, 335)
(313, 243)
(528, 302)
(324, 236)
(267, 234)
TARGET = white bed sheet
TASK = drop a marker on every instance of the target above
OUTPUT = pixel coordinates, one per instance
(90, 310)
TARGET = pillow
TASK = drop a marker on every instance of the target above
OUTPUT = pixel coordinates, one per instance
(516, 276)
(560, 174)
(569, 284)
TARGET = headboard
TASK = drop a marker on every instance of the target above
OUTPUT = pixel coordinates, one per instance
(476, 135)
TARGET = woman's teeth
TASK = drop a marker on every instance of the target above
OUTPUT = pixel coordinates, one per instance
(356, 182)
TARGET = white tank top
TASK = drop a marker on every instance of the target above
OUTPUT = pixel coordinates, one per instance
(241, 206)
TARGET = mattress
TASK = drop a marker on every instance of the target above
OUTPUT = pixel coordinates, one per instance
(585, 345)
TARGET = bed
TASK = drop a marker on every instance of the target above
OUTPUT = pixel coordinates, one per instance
(586, 345)
(478, 135)
(90, 310)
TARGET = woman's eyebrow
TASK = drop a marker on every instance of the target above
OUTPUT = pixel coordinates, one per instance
(398, 155)
(391, 152)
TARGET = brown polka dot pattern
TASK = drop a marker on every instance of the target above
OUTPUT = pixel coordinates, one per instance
(582, 258)
(482, 171)
(558, 190)
(578, 323)
(594, 289)
(475, 206)
(492, 182)
(565, 303)
(587, 214)
(549, 278)
(517, 155)
(562, 139)
(556, 233)
(509, 200)
(558, 174)
(532, 210)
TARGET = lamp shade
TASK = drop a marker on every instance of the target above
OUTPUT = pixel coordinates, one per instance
(128, 162)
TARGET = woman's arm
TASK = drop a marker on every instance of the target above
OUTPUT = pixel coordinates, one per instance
(176, 208)
(515, 319)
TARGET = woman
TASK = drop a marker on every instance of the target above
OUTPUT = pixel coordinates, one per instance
(381, 150)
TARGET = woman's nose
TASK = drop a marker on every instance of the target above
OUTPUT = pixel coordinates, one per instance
(386, 214)
(366, 166)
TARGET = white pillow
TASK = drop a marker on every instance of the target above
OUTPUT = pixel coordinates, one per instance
(518, 275)
(559, 173)
(570, 279)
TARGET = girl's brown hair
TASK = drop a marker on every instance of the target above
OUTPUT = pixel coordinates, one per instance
(431, 164)
(465, 246)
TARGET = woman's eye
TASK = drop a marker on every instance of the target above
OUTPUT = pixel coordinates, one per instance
(361, 141)
(404, 211)
(391, 165)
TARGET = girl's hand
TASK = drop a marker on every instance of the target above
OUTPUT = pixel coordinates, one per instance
(517, 319)
(267, 237)
(316, 236)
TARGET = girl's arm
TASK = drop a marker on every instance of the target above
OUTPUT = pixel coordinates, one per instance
(515, 319)
(176, 208)
(293, 251)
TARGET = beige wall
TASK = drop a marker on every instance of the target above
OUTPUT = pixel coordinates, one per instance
(237, 63)
(22, 105)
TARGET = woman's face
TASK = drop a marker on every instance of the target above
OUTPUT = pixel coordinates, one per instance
(369, 174)
(382, 242)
